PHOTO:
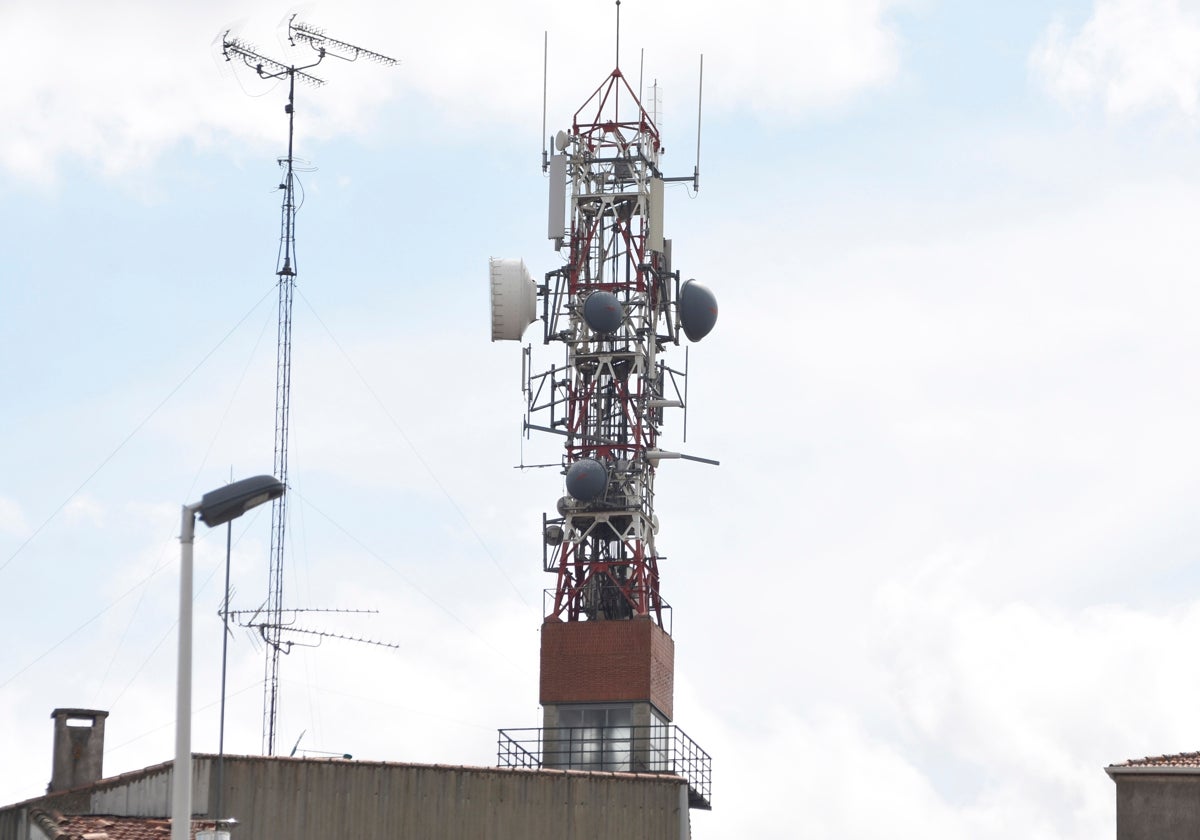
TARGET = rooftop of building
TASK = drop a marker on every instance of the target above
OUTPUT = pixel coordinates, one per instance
(356, 797)
(1188, 762)
(46, 800)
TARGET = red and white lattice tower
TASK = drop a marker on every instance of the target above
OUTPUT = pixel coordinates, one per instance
(607, 656)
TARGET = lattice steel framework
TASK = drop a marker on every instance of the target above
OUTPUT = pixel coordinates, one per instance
(613, 306)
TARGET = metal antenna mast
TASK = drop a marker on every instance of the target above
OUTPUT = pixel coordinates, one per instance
(286, 270)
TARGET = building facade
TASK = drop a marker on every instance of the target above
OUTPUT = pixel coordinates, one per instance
(315, 799)
(1158, 797)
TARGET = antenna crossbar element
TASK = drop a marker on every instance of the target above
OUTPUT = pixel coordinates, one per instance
(237, 614)
(328, 635)
(266, 67)
(323, 44)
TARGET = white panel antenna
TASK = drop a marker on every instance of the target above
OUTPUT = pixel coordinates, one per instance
(556, 227)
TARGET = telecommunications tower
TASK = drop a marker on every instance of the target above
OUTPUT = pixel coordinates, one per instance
(615, 306)
(273, 627)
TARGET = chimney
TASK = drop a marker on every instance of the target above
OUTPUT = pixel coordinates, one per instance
(78, 748)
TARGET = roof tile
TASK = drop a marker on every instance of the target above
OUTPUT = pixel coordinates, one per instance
(77, 827)
(1188, 759)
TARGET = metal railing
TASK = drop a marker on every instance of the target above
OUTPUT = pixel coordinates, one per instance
(662, 749)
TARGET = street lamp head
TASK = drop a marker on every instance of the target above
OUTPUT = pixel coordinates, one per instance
(231, 501)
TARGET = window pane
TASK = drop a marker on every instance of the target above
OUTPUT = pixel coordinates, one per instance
(620, 716)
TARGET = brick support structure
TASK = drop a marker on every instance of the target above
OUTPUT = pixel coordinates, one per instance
(607, 662)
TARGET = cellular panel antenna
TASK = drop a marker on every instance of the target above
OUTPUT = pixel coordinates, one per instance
(615, 306)
(273, 627)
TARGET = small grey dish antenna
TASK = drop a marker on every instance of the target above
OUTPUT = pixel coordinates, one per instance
(587, 480)
(561, 141)
(602, 311)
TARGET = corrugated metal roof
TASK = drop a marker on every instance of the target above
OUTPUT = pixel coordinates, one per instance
(316, 799)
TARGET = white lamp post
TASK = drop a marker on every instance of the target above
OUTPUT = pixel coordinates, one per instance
(215, 508)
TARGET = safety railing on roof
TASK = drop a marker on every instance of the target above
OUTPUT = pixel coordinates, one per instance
(660, 748)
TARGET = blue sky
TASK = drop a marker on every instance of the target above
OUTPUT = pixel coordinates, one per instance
(946, 570)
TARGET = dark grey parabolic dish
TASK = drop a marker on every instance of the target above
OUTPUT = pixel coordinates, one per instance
(586, 480)
(603, 312)
(697, 310)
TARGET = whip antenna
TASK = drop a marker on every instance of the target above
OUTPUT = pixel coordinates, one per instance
(618, 64)
(545, 76)
(699, 112)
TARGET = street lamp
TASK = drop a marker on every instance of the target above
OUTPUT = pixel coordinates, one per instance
(214, 508)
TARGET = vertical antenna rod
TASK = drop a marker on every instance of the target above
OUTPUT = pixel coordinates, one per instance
(618, 64)
(641, 72)
(545, 76)
(286, 270)
(699, 115)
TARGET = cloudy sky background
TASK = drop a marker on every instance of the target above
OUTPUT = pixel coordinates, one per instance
(947, 569)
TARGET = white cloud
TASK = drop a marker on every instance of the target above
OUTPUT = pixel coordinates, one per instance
(971, 447)
(976, 718)
(774, 58)
(12, 518)
(1131, 55)
(1035, 701)
(116, 85)
(85, 509)
(839, 781)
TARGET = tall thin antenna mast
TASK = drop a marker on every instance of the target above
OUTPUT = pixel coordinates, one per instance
(618, 64)
(699, 116)
(641, 72)
(286, 270)
(545, 77)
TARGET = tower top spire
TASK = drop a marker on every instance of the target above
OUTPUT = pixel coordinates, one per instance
(618, 34)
